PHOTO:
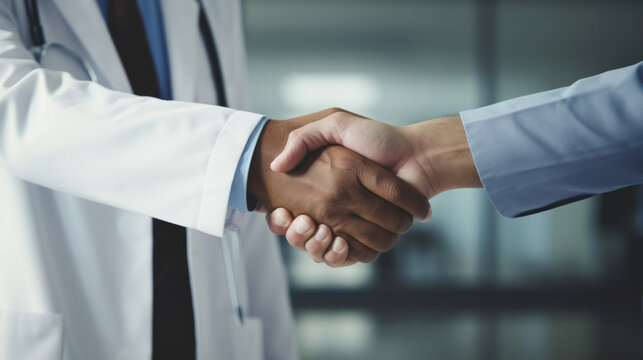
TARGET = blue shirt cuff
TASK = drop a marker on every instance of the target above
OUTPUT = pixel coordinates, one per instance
(239, 197)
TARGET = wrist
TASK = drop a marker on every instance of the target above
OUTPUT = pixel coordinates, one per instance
(441, 148)
(270, 142)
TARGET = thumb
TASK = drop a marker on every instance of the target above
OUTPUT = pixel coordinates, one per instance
(302, 140)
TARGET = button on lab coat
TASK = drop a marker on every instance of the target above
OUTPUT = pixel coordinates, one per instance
(83, 168)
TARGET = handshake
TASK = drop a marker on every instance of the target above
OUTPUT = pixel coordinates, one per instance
(343, 187)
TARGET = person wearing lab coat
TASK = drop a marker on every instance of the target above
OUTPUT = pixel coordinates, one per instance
(75, 238)
(85, 165)
(531, 153)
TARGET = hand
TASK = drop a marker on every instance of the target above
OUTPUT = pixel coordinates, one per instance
(387, 145)
(433, 156)
(359, 200)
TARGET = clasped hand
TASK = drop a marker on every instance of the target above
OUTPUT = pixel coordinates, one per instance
(362, 206)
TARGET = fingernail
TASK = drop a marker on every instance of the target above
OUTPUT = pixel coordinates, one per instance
(274, 162)
(322, 233)
(428, 215)
(302, 226)
(281, 220)
(338, 246)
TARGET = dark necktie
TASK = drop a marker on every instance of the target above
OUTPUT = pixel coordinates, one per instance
(173, 317)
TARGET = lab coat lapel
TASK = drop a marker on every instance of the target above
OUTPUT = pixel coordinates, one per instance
(87, 22)
(181, 20)
(223, 17)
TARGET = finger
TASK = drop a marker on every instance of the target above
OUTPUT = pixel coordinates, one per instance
(368, 234)
(429, 215)
(279, 221)
(358, 251)
(301, 229)
(337, 255)
(395, 190)
(261, 208)
(381, 212)
(317, 245)
(304, 139)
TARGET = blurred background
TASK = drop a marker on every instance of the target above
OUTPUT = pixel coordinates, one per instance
(469, 284)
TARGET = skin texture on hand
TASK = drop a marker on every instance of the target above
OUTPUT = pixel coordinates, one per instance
(433, 155)
(442, 150)
(382, 143)
(359, 200)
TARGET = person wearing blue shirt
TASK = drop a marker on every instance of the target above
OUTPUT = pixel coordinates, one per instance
(530, 154)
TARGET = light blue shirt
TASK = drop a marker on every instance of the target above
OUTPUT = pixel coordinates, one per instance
(152, 17)
(544, 150)
(239, 197)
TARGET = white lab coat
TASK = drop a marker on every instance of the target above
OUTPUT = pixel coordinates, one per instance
(84, 168)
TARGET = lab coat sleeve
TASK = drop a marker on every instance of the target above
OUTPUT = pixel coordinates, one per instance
(166, 159)
(239, 197)
(544, 150)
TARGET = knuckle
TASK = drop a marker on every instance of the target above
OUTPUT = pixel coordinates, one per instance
(378, 179)
(336, 109)
(338, 118)
(337, 193)
(395, 191)
(333, 217)
(347, 164)
(294, 135)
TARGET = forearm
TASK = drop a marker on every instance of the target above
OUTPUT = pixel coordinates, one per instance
(544, 150)
(170, 160)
